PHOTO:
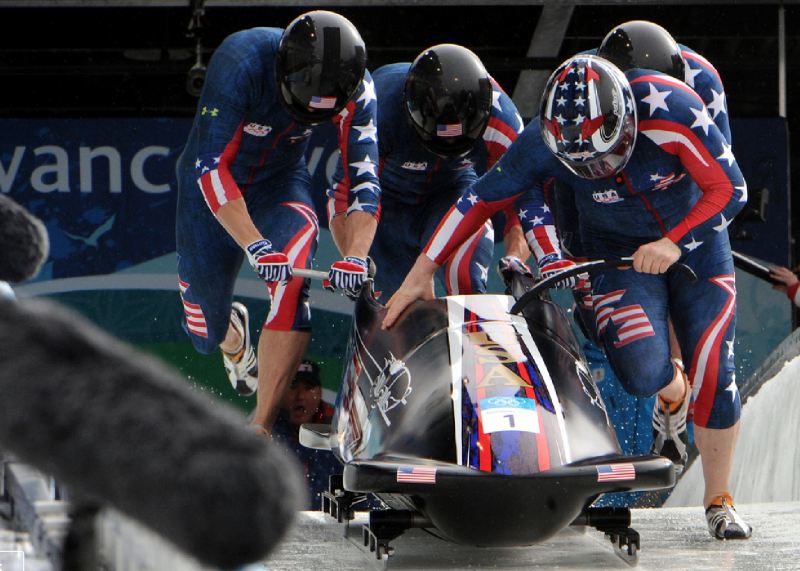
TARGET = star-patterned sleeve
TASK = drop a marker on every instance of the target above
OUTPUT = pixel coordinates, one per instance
(512, 177)
(673, 117)
(356, 186)
(538, 225)
(705, 80)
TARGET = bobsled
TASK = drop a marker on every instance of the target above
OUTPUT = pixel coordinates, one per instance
(477, 419)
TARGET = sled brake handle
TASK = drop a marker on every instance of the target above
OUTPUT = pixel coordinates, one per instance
(549, 282)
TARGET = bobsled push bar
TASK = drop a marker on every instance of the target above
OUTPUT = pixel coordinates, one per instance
(548, 283)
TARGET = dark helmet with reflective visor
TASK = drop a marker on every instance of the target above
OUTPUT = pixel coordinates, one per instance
(645, 45)
(448, 95)
(320, 64)
(587, 117)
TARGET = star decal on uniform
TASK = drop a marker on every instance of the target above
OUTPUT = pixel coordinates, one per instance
(691, 73)
(701, 119)
(522, 214)
(657, 99)
(496, 100)
(693, 245)
(484, 271)
(368, 131)
(743, 190)
(473, 198)
(656, 177)
(727, 154)
(724, 224)
(538, 220)
(365, 166)
(545, 208)
(732, 388)
(369, 93)
(356, 206)
(561, 101)
(718, 104)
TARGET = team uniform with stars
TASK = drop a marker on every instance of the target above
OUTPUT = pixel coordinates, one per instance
(418, 187)
(243, 144)
(704, 79)
(682, 181)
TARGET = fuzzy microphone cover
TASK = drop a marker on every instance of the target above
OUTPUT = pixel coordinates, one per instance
(122, 429)
(23, 242)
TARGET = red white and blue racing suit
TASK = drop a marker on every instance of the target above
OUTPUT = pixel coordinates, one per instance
(243, 144)
(705, 80)
(418, 187)
(682, 181)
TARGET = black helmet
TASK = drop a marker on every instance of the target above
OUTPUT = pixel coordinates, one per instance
(641, 44)
(588, 117)
(320, 64)
(448, 96)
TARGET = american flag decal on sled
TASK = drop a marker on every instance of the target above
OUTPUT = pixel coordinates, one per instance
(616, 472)
(416, 474)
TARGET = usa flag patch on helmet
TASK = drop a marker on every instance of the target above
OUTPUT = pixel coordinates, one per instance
(454, 130)
(322, 102)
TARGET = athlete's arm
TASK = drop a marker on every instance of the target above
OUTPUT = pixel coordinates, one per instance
(353, 223)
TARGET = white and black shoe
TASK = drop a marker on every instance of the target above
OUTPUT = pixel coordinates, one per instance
(724, 522)
(670, 437)
(242, 366)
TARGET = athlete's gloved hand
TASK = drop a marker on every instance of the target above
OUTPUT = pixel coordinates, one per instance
(271, 266)
(552, 268)
(511, 265)
(348, 275)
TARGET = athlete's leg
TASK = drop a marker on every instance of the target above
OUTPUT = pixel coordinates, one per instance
(716, 447)
(293, 228)
(630, 310)
(208, 263)
(704, 316)
(275, 374)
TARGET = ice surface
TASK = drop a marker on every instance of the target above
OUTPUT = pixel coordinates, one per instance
(671, 539)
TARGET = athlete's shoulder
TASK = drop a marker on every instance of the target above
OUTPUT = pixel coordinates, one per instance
(252, 40)
(389, 82)
(391, 71)
(651, 87)
(389, 79)
(504, 110)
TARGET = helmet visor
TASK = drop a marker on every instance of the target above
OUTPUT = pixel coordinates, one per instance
(608, 164)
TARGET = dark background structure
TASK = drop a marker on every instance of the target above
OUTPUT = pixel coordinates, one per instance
(131, 58)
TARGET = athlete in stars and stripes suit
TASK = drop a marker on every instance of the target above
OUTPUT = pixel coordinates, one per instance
(244, 191)
(441, 121)
(654, 178)
(645, 45)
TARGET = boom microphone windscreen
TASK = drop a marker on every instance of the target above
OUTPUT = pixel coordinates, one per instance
(23, 242)
(123, 429)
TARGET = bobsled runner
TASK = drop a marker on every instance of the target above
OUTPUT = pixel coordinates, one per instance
(477, 419)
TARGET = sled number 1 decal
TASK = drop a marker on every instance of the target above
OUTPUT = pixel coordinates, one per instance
(508, 413)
